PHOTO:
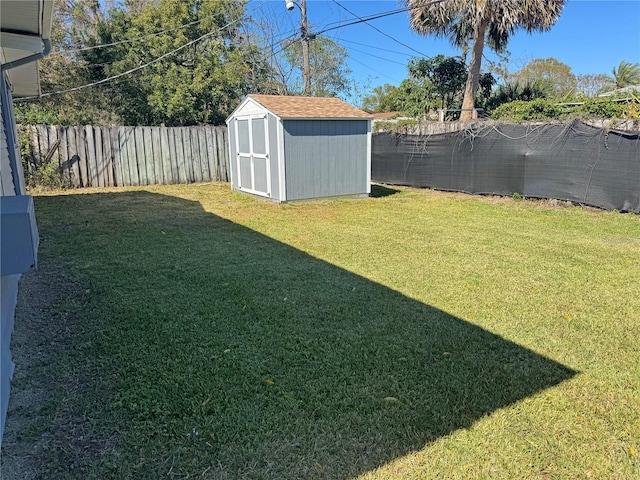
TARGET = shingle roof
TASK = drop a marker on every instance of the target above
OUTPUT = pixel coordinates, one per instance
(308, 107)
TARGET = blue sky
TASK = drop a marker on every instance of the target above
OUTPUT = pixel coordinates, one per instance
(591, 36)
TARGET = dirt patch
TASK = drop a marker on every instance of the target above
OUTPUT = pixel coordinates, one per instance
(42, 428)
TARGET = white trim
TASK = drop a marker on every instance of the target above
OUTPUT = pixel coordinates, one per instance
(231, 125)
(282, 184)
(369, 147)
(259, 109)
(252, 155)
(265, 156)
(326, 118)
(237, 159)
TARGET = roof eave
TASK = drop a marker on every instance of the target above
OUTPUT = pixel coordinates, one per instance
(325, 118)
(26, 44)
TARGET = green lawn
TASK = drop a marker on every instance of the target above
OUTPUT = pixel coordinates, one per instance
(412, 335)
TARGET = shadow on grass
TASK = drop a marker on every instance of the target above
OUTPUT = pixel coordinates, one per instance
(231, 355)
(379, 191)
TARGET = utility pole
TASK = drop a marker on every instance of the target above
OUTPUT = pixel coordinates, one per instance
(304, 33)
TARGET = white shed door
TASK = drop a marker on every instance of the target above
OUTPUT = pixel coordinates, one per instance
(254, 175)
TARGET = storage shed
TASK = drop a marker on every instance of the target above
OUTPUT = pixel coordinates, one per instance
(293, 148)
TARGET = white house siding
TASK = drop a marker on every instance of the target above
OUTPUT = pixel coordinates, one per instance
(8, 299)
(8, 283)
(6, 175)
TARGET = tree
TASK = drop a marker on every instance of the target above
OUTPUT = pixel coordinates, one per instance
(329, 71)
(590, 85)
(383, 99)
(416, 98)
(557, 74)
(195, 67)
(447, 75)
(485, 90)
(517, 91)
(626, 74)
(330, 75)
(74, 21)
(493, 19)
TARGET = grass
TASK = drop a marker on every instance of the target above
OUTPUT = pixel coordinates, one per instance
(413, 335)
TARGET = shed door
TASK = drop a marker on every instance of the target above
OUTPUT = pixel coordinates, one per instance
(254, 175)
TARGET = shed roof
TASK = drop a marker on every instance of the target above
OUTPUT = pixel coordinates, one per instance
(309, 107)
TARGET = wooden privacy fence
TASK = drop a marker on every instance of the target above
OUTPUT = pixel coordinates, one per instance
(91, 156)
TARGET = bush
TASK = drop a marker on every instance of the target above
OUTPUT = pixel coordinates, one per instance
(38, 172)
(539, 109)
(403, 126)
(604, 108)
(513, 91)
(544, 109)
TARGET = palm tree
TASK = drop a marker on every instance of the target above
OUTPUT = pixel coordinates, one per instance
(626, 74)
(494, 19)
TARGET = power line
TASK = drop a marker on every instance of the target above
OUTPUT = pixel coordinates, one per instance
(377, 56)
(373, 69)
(108, 79)
(104, 45)
(326, 29)
(380, 31)
(374, 17)
(104, 80)
(370, 46)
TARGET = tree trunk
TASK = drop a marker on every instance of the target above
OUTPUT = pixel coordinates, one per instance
(474, 72)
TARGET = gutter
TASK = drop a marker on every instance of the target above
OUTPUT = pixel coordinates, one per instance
(46, 44)
(46, 48)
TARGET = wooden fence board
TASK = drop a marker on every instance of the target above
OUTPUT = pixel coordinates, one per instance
(108, 156)
(211, 158)
(74, 164)
(117, 157)
(36, 146)
(125, 153)
(140, 156)
(195, 154)
(149, 149)
(186, 144)
(82, 155)
(121, 156)
(92, 170)
(134, 172)
(180, 157)
(204, 154)
(54, 148)
(213, 137)
(65, 165)
(223, 155)
(173, 156)
(99, 155)
(167, 177)
(157, 154)
(42, 143)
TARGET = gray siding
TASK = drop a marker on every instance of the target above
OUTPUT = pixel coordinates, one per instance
(325, 158)
(273, 156)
